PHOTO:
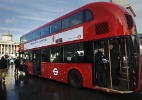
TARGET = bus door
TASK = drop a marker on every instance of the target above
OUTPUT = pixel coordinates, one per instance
(36, 62)
(122, 63)
(117, 53)
(117, 70)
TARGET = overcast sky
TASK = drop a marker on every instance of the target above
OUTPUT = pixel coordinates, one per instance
(22, 16)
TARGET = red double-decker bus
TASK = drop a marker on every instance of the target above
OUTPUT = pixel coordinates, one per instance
(64, 49)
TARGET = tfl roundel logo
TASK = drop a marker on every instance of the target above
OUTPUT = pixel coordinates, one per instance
(79, 36)
(55, 71)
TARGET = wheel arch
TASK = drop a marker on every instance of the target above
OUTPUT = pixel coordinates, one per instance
(74, 69)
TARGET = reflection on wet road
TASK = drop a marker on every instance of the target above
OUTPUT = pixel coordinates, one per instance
(21, 87)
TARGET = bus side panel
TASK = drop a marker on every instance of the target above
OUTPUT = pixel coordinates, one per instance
(57, 72)
(30, 67)
(44, 67)
(60, 71)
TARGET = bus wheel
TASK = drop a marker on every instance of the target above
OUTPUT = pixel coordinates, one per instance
(75, 79)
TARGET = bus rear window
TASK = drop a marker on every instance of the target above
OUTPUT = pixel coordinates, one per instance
(88, 15)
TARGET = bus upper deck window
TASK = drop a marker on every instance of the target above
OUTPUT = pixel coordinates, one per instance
(88, 15)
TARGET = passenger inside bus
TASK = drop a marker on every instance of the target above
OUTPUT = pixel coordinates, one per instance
(100, 61)
(114, 64)
(58, 58)
(75, 57)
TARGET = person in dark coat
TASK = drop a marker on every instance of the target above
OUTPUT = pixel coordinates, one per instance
(114, 64)
(100, 61)
(3, 67)
(3, 63)
(17, 64)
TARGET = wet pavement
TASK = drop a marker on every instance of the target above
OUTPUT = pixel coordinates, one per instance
(21, 87)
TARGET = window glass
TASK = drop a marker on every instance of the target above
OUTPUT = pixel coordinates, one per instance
(45, 31)
(88, 15)
(74, 53)
(21, 40)
(76, 19)
(56, 55)
(55, 27)
(66, 23)
(72, 20)
(28, 56)
(24, 39)
(45, 55)
(36, 34)
(29, 37)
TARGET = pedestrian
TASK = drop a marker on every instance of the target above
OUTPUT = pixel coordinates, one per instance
(7, 60)
(114, 64)
(3, 67)
(11, 62)
(17, 64)
(100, 61)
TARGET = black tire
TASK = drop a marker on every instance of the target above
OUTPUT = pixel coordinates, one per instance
(75, 79)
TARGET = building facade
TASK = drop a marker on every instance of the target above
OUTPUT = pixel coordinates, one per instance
(126, 5)
(8, 46)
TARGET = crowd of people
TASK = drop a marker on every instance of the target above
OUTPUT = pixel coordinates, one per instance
(5, 62)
